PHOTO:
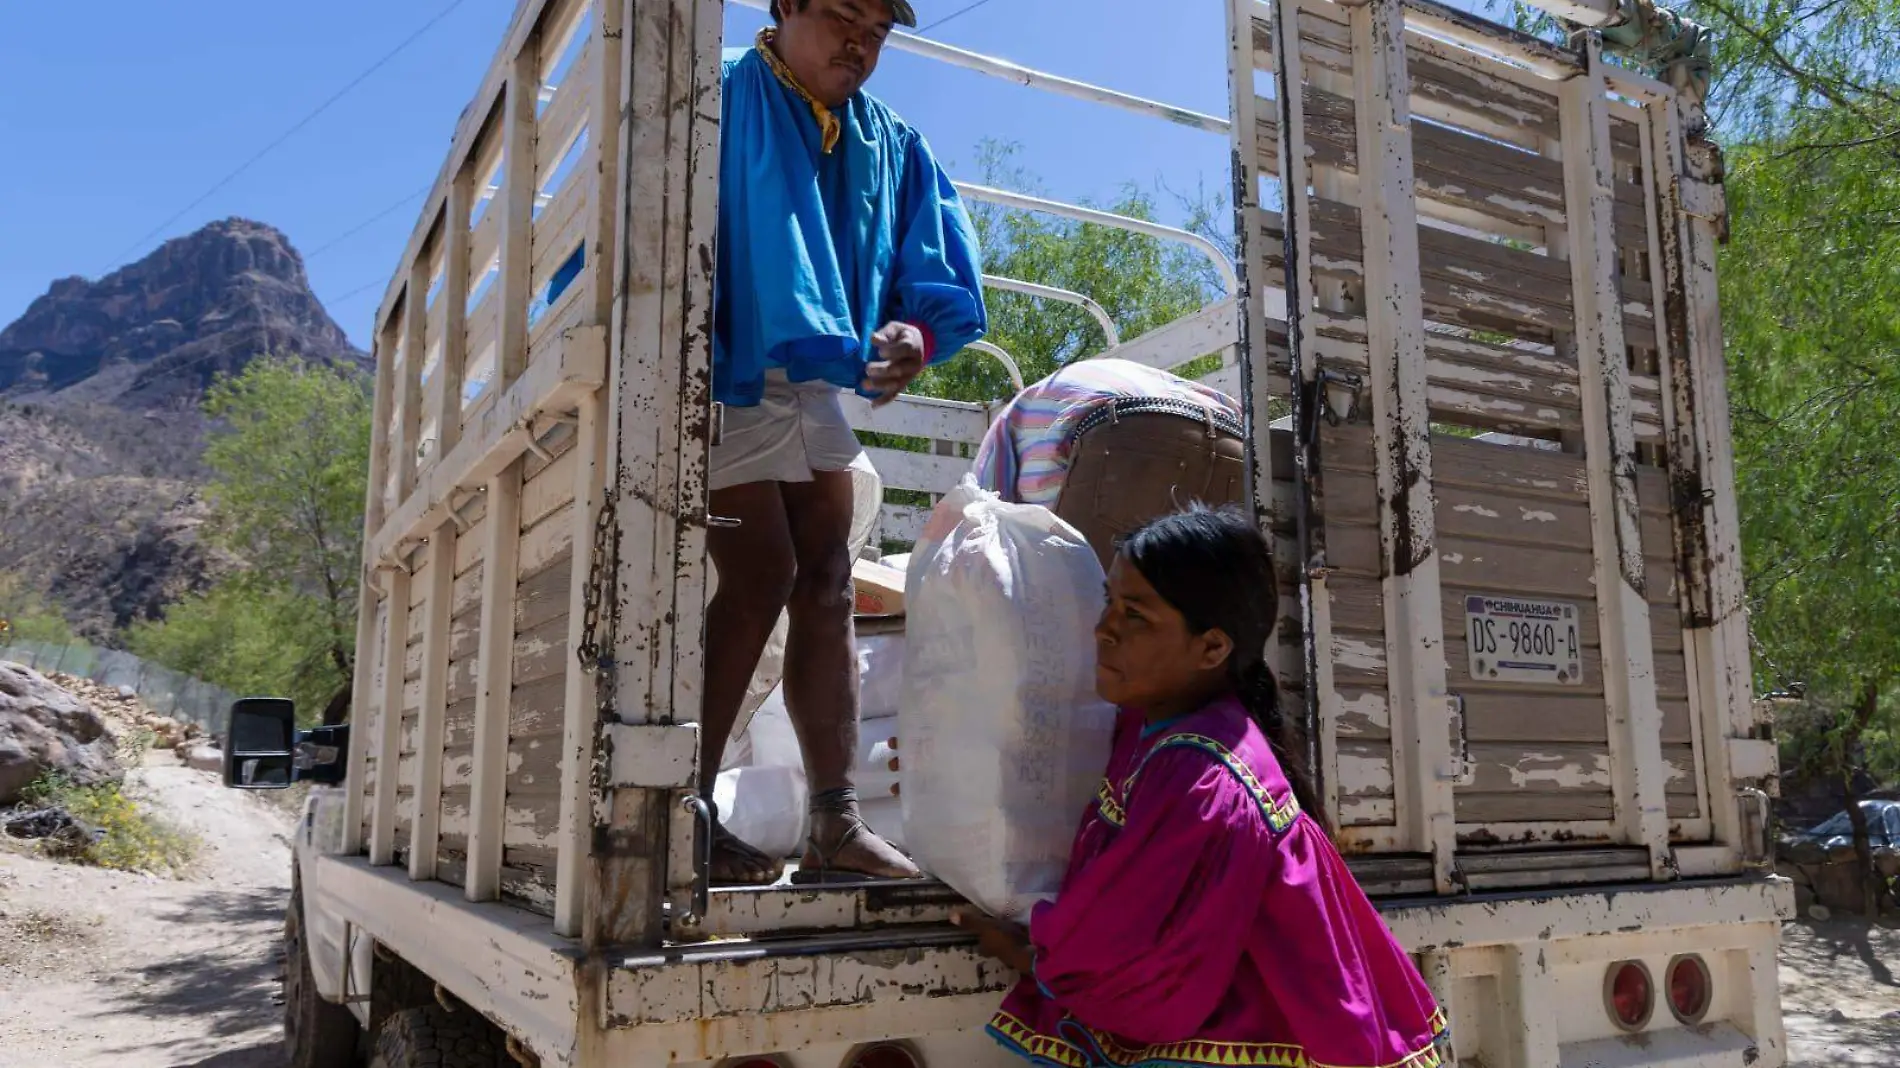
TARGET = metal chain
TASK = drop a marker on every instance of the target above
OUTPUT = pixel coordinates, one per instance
(596, 651)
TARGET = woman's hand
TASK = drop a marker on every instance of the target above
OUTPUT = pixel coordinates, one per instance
(1005, 941)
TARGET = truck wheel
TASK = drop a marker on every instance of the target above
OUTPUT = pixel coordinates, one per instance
(317, 1034)
(432, 1038)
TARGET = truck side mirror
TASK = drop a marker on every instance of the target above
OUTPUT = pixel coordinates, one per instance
(260, 744)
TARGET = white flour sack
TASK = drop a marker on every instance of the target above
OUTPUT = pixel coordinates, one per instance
(1004, 740)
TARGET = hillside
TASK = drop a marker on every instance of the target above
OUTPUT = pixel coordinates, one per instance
(100, 433)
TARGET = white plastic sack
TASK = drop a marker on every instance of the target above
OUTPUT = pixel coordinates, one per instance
(761, 794)
(880, 675)
(1003, 739)
(764, 807)
(762, 797)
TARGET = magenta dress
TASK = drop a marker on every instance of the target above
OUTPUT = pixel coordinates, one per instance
(1205, 921)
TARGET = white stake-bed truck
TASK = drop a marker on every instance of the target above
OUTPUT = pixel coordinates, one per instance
(1479, 269)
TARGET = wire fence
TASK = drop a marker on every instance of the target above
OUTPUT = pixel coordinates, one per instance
(163, 690)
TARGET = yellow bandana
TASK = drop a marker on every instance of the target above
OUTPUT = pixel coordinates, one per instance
(828, 123)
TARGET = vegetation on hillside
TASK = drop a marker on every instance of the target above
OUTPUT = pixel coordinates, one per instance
(27, 616)
(288, 454)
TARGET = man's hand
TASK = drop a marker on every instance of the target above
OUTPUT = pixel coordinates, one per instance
(1005, 941)
(902, 347)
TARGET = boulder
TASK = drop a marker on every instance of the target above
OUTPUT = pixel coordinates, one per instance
(202, 756)
(43, 728)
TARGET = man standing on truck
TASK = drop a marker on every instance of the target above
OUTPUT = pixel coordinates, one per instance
(845, 261)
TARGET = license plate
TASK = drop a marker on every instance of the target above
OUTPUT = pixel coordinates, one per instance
(1511, 639)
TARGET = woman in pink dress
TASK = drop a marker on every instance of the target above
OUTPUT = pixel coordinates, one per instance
(1205, 918)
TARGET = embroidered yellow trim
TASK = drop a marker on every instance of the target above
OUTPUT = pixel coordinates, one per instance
(1109, 802)
(1044, 1049)
(1280, 814)
(829, 127)
(1108, 807)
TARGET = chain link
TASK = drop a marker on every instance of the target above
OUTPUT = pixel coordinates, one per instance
(596, 650)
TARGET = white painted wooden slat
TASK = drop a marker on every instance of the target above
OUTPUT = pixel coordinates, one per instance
(388, 742)
(1696, 395)
(452, 306)
(1401, 418)
(1215, 328)
(920, 417)
(409, 384)
(581, 716)
(489, 788)
(901, 522)
(918, 471)
(361, 691)
(1610, 457)
(560, 228)
(662, 424)
(1656, 213)
(484, 243)
(566, 114)
(603, 162)
(516, 206)
(436, 637)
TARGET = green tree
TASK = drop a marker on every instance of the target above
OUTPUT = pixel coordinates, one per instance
(1808, 100)
(1811, 291)
(1140, 281)
(27, 616)
(288, 457)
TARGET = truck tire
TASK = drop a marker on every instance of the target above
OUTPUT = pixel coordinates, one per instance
(317, 1034)
(433, 1038)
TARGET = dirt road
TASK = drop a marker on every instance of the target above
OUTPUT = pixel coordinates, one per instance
(102, 969)
(1839, 994)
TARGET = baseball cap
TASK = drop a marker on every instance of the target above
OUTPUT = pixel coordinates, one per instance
(903, 13)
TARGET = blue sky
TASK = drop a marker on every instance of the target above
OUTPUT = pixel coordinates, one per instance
(118, 114)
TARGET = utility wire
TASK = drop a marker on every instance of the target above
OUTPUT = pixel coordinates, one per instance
(959, 13)
(287, 134)
(328, 302)
(367, 223)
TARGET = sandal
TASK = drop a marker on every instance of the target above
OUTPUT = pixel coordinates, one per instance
(744, 863)
(839, 802)
(825, 872)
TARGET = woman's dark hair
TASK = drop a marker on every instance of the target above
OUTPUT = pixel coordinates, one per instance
(1216, 568)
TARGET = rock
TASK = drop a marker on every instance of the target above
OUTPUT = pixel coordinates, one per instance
(203, 757)
(56, 824)
(127, 693)
(43, 728)
(1835, 1016)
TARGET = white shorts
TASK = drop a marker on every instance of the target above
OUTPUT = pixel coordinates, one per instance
(794, 430)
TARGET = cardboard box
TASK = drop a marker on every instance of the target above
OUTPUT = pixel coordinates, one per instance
(878, 589)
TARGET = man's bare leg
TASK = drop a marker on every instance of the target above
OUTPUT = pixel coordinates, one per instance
(821, 677)
(756, 567)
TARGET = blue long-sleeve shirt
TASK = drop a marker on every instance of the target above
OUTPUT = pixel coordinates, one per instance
(818, 250)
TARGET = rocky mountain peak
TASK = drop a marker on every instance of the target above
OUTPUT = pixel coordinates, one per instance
(152, 335)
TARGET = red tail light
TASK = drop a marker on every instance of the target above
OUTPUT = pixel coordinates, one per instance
(1629, 995)
(884, 1056)
(1690, 989)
